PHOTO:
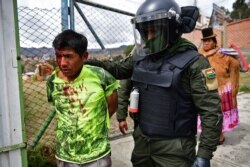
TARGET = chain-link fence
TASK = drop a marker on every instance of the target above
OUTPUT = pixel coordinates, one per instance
(37, 29)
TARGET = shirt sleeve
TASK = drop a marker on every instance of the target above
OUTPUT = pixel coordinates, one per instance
(120, 70)
(111, 84)
(203, 88)
(123, 99)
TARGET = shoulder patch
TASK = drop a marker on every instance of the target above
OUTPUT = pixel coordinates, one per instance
(209, 73)
(210, 78)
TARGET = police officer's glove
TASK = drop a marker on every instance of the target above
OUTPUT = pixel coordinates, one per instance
(201, 162)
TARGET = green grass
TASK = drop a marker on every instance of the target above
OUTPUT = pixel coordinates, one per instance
(245, 82)
(41, 156)
(36, 111)
(245, 76)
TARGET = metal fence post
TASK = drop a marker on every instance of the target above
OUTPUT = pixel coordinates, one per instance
(12, 134)
(72, 15)
(64, 14)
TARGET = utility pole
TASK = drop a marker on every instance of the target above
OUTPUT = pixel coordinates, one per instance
(195, 2)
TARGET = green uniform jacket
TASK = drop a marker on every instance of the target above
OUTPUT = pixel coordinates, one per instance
(123, 99)
(196, 83)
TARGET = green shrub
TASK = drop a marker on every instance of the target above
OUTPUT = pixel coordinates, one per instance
(245, 88)
(41, 156)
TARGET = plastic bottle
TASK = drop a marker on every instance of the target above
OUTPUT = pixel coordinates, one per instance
(134, 100)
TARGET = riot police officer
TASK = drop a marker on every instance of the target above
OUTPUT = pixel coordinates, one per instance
(175, 83)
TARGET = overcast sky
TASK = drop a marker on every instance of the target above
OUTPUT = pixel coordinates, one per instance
(132, 5)
(121, 31)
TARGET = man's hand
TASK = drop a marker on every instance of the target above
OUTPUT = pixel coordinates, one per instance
(201, 162)
(112, 103)
(123, 126)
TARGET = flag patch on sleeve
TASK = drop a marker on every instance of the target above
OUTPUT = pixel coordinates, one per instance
(210, 78)
(209, 73)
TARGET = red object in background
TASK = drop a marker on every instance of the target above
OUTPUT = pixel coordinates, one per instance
(226, 104)
(242, 58)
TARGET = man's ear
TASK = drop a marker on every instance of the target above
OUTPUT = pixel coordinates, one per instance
(85, 56)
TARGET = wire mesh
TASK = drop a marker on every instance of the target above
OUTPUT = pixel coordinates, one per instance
(38, 28)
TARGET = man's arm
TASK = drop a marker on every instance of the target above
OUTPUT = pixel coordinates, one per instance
(207, 103)
(123, 99)
(123, 102)
(111, 86)
(120, 70)
(112, 101)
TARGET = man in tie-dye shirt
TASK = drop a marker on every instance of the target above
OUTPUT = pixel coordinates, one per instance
(84, 98)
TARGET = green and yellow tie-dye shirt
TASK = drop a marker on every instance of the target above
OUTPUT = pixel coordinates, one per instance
(82, 114)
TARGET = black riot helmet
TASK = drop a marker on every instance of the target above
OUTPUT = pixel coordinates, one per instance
(157, 25)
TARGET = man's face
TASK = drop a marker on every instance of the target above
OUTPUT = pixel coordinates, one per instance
(70, 63)
(150, 32)
(208, 44)
(155, 39)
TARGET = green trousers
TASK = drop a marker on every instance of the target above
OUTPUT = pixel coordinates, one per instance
(162, 152)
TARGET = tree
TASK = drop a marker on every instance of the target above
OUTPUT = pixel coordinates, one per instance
(241, 10)
(226, 11)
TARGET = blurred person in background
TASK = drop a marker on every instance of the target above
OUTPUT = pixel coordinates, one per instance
(227, 69)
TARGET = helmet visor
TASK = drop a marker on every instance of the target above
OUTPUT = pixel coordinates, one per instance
(152, 36)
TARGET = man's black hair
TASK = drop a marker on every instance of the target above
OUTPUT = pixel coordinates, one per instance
(71, 39)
